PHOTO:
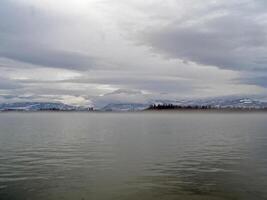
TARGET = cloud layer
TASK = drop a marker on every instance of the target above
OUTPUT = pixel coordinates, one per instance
(93, 52)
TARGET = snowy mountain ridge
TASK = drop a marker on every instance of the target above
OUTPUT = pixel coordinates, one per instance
(39, 106)
(219, 103)
(242, 103)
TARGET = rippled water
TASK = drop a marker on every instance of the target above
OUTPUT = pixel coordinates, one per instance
(133, 156)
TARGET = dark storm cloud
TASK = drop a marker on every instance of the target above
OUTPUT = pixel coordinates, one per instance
(227, 37)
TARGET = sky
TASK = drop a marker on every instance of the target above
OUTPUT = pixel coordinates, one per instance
(93, 52)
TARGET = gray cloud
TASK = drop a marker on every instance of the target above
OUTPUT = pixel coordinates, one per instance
(257, 81)
(254, 78)
(6, 84)
(23, 35)
(227, 37)
(39, 55)
(82, 51)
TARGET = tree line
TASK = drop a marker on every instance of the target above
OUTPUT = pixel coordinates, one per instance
(173, 107)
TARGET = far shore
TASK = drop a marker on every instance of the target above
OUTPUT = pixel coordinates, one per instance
(234, 110)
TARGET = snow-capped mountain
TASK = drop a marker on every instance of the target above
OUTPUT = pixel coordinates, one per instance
(236, 103)
(38, 106)
(217, 103)
(120, 107)
(243, 103)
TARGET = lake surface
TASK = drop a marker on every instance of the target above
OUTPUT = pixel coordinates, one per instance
(133, 156)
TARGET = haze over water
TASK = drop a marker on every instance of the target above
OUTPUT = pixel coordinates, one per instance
(51, 156)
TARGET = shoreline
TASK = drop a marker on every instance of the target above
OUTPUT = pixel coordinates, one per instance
(147, 111)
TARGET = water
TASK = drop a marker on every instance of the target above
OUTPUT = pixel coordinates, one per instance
(53, 156)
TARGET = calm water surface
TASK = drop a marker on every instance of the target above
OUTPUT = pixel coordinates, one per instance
(133, 156)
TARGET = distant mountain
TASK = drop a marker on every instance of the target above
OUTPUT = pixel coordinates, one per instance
(220, 103)
(245, 103)
(39, 106)
(236, 103)
(120, 107)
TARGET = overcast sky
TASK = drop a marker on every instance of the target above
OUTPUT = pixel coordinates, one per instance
(85, 52)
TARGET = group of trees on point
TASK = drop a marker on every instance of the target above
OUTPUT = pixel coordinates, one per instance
(172, 107)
